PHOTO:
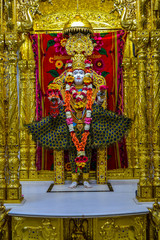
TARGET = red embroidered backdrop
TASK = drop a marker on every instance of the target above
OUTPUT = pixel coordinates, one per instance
(50, 57)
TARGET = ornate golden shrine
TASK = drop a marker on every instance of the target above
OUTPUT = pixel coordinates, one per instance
(141, 75)
(141, 90)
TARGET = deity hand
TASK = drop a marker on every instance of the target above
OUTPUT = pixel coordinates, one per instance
(100, 97)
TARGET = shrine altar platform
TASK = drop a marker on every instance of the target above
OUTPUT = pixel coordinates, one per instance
(87, 215)
(40, 203)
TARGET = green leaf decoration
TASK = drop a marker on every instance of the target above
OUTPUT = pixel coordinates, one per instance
(104, 74)
(53, 34)
(103, 51)
(103, 34)
(50, 43)
(93, 40)
(50, 82)
(54, 73)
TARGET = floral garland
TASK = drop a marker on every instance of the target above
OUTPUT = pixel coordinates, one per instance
(54, 92)
(81, 159)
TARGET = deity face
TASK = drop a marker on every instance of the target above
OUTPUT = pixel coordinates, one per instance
(78, 75)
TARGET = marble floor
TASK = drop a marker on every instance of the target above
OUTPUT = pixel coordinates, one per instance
(40, 203)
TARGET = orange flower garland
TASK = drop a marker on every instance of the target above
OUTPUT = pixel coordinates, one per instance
(89, 98)
(67, 101)
(80, 146)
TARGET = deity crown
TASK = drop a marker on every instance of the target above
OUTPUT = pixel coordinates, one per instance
(79, 43)
(78, 61)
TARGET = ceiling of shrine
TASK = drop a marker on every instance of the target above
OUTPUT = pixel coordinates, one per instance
(54, 16)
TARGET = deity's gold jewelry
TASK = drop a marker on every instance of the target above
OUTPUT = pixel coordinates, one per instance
(78, 62)
(78, 86)
(77, 120)
(73, 104)
(79, 44)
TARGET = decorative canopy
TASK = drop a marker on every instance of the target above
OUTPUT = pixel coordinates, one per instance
(77, 24)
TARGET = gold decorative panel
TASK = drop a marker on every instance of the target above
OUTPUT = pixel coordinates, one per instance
(126, 228)
(36, 228)
(106, 228)
(56, 15)
(78, 228)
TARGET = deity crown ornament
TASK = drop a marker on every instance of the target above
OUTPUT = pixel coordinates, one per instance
(77, 24)
(79, 43)
(78, 61)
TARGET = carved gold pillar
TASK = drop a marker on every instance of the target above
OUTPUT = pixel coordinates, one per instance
(58, 167)
(32, 111)
(14, 186)
(135, 153)
(155, 44)
(127, 106)
(24, 139)
(102, 166)
(2, 122)
(144, 191)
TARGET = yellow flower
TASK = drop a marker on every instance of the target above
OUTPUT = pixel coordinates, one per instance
(69, 79)
(63, 42)
(87, 80)
(80, 164)
(99, 64)
(53, 86)
(59, 64)
(79, 105)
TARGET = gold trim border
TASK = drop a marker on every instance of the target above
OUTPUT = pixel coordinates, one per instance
(127, 173)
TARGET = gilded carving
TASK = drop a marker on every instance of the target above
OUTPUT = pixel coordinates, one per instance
(143, 10)
(4, 230)
(27, 228)
(23, 120)
(127, 100)
(108, 229)
(156, 13)
(17, 224)
(80, 228)
(128, 227)
(134, 86)
(26, 12)
(58, 167)
(113, 228)
(31, 102)
(56, 21)
(142, 39)
(9, 14)
(102, 166)
(139, 226)
(155, 215)
(155, 43)
(14, 187)
(126, 10)
(2, 122)
(53, 19)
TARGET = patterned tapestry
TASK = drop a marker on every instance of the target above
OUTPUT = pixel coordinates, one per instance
(50, 57)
